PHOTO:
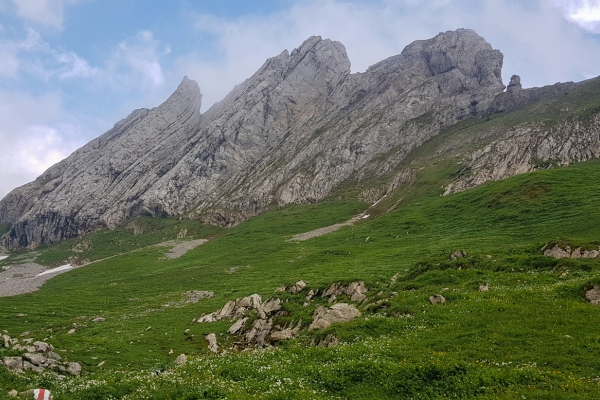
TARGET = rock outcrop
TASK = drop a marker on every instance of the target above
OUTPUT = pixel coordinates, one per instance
(292, 132)
(38, 357)
(266, 327)
(528, 147)
(557, 251)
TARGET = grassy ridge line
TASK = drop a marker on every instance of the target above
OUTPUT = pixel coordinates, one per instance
(507, 219)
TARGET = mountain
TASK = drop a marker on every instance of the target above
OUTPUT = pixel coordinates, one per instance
(296, 130)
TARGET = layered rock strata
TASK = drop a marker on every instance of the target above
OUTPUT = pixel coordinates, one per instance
(300, 126)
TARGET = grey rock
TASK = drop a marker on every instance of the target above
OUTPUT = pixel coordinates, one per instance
(328, 341)
(593, 295)
(42, 347)
(212, 317)
(252, 301)
(195, 295)
(269, 307)
(35, 358)
(237, 327)
(298, 287)
(181, 359)
(458, 254)
(98, 319)
(355, 290)
(261, 329)
(287, 332)
(292, 132)
(437, 299)
(212, 343)
(341, 312)
(73, 368)
(53, 356)
(515, 84)
(528, 147)
(13, 363)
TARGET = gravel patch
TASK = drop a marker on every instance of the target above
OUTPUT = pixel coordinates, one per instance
(26, 278)
(180, 248)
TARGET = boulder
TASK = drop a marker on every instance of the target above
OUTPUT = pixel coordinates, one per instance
(558, 252)
(73, 368)
(53, 356)
(437, 299)
(42, 347)
(252, 301)
(13, 363)
(212, 317)
(236, 328)
(227, 311)
(269, 307)
(181, 359)
(98, 319)
(356, 291)
(212, 343)
(484, 288)
(593, 295)
(341, 312)
(35, 358)
(298, 287)
(458, 254)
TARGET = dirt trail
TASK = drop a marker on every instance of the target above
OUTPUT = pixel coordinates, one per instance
(332, 228)
(180, 248)
(325, 230)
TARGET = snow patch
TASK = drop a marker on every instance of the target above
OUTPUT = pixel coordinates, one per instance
(57, 269)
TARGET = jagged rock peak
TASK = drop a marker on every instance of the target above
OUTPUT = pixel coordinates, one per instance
(187, 96)
(462, 49)
(314, 51)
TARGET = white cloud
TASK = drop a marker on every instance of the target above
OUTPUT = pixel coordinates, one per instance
(538, 43)
(34, 56)
(584, 13)
(136, 62)
(48, 13)
(34, 136)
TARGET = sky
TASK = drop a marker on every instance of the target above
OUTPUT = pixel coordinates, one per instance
(71, 69)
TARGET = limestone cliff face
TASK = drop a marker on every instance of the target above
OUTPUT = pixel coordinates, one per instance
(528, 147)
(292, 132)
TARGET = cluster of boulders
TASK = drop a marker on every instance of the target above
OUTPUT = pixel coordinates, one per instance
(566, 252)
(458, 254)
(265, 331)
(39, 357)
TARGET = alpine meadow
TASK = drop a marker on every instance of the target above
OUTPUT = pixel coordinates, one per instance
(418, 231)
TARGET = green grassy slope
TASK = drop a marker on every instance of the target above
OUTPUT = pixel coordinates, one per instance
(506, 343)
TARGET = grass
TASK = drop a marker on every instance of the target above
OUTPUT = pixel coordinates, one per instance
(532, 335)
(4, 228)
(505, 343)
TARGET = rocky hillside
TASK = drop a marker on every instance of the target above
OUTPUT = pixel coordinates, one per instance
(291, 133)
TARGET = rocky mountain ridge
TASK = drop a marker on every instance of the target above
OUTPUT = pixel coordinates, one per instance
(291, 133)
